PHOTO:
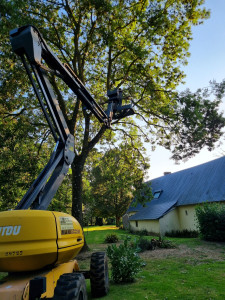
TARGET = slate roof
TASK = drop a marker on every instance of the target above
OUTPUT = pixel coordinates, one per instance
(195, 185)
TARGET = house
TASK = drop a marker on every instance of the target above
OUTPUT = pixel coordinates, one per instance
(176, 196)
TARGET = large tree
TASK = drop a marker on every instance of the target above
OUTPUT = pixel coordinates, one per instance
(136, 45)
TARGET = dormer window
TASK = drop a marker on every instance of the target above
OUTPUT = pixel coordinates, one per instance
(157, 194)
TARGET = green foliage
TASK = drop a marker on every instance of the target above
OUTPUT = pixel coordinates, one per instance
(211, 218)
(20, 158)
(142, 194)
(183, 233)
(202, 119)
(164, 243)
(125, 262)
(142, 244)
(137, 45)
(62, 200)
(111, 238)
(143, 232)
(114, 177)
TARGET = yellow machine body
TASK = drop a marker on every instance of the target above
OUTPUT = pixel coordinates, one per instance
(16, 286)
(32, 239)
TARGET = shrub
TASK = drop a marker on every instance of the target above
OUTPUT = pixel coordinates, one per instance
(111, 238)
(125, 262)
(140, 245)
(211, 223)
(144, 244)
(143, 232)
(166, 244)
(182, 233)
(162, 243)
(131, 231)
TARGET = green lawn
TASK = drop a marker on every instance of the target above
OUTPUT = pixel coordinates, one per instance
(97, 236)
(174, 279)
(164, 278)
(169, 278)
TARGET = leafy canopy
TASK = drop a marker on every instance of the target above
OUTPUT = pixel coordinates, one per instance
(136, 45)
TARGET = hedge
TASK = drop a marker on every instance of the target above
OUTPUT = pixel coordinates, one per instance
(211, 221)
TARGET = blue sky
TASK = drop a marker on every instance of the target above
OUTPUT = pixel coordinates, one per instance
(207, 62)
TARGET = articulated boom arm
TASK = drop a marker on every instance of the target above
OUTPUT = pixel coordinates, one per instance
(28, 43)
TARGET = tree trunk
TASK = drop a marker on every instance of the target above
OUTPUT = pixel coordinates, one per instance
(117, 221)
(77, 172)
(99, 221)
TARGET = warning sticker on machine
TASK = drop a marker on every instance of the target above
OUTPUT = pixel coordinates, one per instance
(66, 225)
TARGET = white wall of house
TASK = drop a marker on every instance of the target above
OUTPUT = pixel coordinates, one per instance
(187, 217)
(180, 218)
(151, 226)
(169, 222)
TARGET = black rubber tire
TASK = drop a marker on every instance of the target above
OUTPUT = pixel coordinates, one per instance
(70, 286)
(99, 276)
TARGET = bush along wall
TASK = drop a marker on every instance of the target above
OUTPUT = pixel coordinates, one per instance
(182, 233)
(211, 221)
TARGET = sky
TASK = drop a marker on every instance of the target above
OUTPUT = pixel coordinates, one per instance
(207, 62)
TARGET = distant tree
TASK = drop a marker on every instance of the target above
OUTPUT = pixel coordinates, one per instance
(89, 202)
(21, 155)
(114, 179)
(63, 198)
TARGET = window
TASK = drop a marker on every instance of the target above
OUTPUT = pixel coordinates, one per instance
(136, 223)
(157, 194)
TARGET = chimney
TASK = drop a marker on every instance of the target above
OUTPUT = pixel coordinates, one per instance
(166, 173)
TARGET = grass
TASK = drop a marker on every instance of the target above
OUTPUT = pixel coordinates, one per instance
(190, 242)
(98, 237)
(97, 234)
(174, 279)
(164, 279)
(168, 278)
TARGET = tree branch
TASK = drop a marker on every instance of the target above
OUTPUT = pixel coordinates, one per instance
(14, 115)
(59, 98)
(96, 139)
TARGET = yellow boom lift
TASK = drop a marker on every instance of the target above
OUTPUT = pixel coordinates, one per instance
(38, 247)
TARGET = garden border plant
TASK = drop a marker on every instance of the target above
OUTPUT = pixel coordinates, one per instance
(182, 233)
(111, 238)
(125, 262)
